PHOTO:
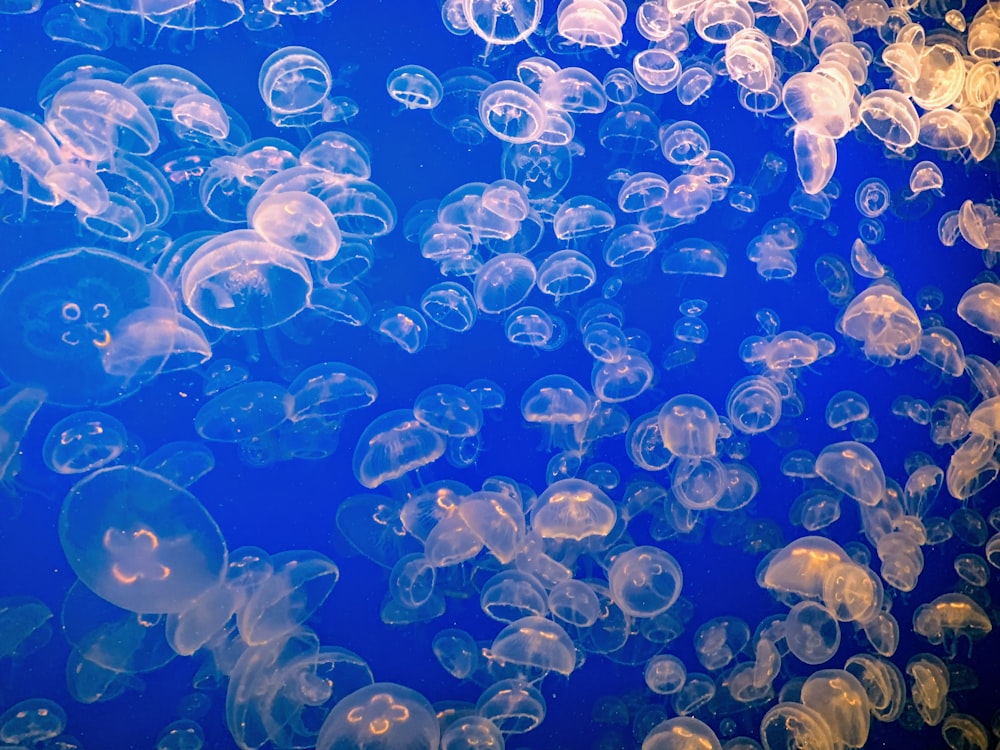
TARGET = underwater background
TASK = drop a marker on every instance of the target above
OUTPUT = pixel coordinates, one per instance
(657, 329)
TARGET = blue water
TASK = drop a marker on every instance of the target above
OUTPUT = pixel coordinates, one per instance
(259, 496)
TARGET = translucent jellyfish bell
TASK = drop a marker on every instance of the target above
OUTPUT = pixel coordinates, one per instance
(139, 541)
(294, 79)
(240, 281)
(512, 112)
(94, 118)
(32, 721)
(536, 643)
(644, 581)
(853, 469)
(415, 87)
(299, 222)
(394, 444)
(885, 322)
(382, 716)
(573, 509)
(504, 24)
(450, 410)
(84, 441)
(69, 307)
(689, 426)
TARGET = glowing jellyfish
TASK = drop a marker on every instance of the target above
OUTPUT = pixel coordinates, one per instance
(656, 70)
(695, 257)
(95, 118)
(382, 716)
(32, 721)
(931, 681)
(754, 405)
(240, 281)
(502, 24)
(415, 87)
(470, 732)
(683, 142)
(392, 445)
(573, 509)
(403, 326)
(298, 222)
(980, 307)
(644, 581)
(812, 632)
(575, 603)
(139, 541)
(243, 412)
(330, 389)
(294, 79)
(679, 733)
(842, 701)
(512, 112)
(536, 643)
(885, 322)
(514, 706)
(853, 469)
(949, 618)
(456, 652)
(689, 426)
(450, 410)
(66, 309)
(84, 441)
(802, 567)
(504, 282)
(564, 273)
(592, 24)
(891, 117)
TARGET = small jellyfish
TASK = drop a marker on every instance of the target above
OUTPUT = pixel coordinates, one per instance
(84, 441)
(415, 87)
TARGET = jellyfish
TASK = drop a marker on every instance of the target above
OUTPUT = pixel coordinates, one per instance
(139, 541)
(536, 643)
(84, 441)
(415, 87)
(68, 307)
(392, 445)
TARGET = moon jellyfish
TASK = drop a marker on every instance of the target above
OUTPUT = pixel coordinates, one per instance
(382, 716)
(535, 643)
(949, 618)
(394, 444)
(84, 441)
(67, 309)
(32, 721)
(514, 706)
(754, 405)
(504, 282)
(573, 509)
(415, 87)
(139, 541)
(842, 701)
(512, 112)
(812, 632)
(680, 732)
(885, 322)
(502, 23)
(450, 410)
(689, 426)
(294, 79)
(299, 222)
(95, 118)
(644, 581)
(853, 469)
(243, 412)
(239, 281)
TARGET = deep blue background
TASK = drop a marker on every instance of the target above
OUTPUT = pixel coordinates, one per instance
(292, 505)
